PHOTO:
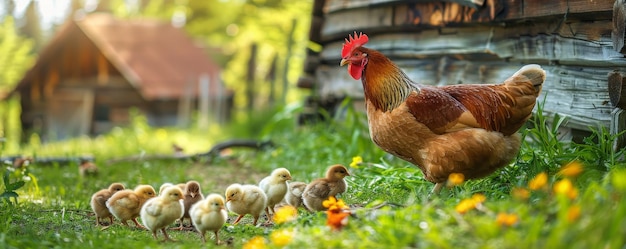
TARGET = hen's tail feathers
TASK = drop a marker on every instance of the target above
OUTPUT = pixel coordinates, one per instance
(533, 73)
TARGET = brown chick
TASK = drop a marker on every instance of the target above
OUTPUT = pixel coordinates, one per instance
(209, 215)
(99, 199)
(157, 213)
(275, 188)
(321, 189)
(193, 194)
(294, 193)
(87, 168)
(245, 199)
(126, 204)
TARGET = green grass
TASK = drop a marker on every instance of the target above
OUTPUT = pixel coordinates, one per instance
(52, 210)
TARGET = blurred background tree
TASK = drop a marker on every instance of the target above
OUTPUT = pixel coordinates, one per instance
(228, 29)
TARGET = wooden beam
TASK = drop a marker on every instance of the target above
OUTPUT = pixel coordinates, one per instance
(619, 26)
(618, 127)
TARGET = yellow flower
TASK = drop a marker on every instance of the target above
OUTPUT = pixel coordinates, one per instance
(455, 179)
(333, 203)
(470, 203)
(478, 198)
(573, 213)
(565, 187)
(281, 237)
(505, 219)
(255, 243)
(356, 161)
(520, 193)
(539, 181)
(571, 169)
(285, 214)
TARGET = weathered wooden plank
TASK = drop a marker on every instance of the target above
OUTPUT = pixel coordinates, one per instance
(619, 25)
(358, 19)
(428, 15)
(485, 43)
(339, 5)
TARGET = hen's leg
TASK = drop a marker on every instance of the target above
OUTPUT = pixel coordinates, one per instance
(436, 189)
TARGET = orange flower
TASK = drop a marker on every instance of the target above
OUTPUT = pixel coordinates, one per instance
(565, 187)
(337, 213)
(573, 213)
(571, 169)
(538, 182)
(520, 193)
(504, 219)
(455, 179)
(470, 203)
(257, 242)
(285, 214)
(337, 218)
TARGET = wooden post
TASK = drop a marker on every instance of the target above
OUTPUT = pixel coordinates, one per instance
(250, 78)
(619, 25)
(290, 42)
(203, 108)
(184, 106)
(617, 95)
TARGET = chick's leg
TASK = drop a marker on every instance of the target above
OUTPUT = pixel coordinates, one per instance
(137, 223)
(217, 238)
(202, 237)
(167, 238)
(238, 219)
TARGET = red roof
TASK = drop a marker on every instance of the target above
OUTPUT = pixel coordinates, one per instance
(157, 58)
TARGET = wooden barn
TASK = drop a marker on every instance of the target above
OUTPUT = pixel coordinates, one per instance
(97, 68)
(580, 43)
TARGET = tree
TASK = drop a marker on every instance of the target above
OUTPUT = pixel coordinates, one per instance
(15, 59)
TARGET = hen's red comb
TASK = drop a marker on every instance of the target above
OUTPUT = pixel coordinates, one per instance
(355, 41)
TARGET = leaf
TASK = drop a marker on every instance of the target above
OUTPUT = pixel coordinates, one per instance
(15, 185)
(5, 178)
(9, 194)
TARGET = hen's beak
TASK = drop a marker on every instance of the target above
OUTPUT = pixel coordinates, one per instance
(344, 62)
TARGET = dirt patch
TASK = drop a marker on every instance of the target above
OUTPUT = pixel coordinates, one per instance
(215, 178)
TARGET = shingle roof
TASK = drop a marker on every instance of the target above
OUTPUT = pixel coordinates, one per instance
(155, 57)
(158, 59)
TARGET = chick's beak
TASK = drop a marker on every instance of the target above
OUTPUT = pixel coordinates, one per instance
(344, 62)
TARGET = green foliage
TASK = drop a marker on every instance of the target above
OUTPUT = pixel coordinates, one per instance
(10, 187)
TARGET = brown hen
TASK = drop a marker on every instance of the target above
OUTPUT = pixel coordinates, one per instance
(469, 129)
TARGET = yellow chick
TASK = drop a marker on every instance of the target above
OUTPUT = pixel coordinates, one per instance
(275, 188)
(321, 189)
(193, 194)
(294, 193)
(245, 199)
(99, 199)
(209, 215)
(164, 186)
(162, 211)
(126, 204)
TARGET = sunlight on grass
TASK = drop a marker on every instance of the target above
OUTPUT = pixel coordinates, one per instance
(547, 197)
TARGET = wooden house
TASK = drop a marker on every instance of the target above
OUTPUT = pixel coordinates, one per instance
(580, 43)
(97, 68)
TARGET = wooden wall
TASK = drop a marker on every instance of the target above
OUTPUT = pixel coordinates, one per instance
(477, 41)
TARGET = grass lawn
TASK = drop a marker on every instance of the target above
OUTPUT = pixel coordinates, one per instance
(532, 203)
